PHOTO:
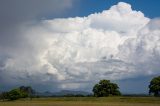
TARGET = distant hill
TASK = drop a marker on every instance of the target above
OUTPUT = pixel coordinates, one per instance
(63, 93)
(44, 94)
(68, 92)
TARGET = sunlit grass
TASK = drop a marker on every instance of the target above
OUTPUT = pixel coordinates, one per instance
(86, 101)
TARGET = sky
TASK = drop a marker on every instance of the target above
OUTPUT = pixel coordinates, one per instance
(72, 44)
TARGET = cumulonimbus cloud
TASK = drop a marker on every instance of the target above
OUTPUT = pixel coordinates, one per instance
(115, 44)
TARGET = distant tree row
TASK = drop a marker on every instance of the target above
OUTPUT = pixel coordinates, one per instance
(21, 92)
(105, 88)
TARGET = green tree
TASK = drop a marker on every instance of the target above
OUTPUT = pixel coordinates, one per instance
(27, 90)
(4, 96)
(21, 92)
(105, 88)
(14, 94)
(154, 87)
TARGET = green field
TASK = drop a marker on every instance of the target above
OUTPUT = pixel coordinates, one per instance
(86, 101)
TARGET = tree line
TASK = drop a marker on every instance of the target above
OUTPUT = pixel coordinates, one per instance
(104, 88)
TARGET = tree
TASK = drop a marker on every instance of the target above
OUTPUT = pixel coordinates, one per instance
(105, 88)
(4, 96)
(154, 86)
(27, 90)
(14, 94)
(21, 92)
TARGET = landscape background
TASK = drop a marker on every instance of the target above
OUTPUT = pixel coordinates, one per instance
(57, 45)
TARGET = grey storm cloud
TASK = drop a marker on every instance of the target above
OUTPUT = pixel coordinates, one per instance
(14, 13)
(74, 53)
(21, 10)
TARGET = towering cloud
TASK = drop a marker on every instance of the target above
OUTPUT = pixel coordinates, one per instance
(66, 53)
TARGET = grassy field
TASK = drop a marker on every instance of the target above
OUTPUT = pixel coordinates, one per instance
(86, 101)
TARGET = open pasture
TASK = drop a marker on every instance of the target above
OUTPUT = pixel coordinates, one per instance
(86, 101)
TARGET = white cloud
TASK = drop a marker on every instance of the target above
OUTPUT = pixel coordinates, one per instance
(143, 51)
(116, 44)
